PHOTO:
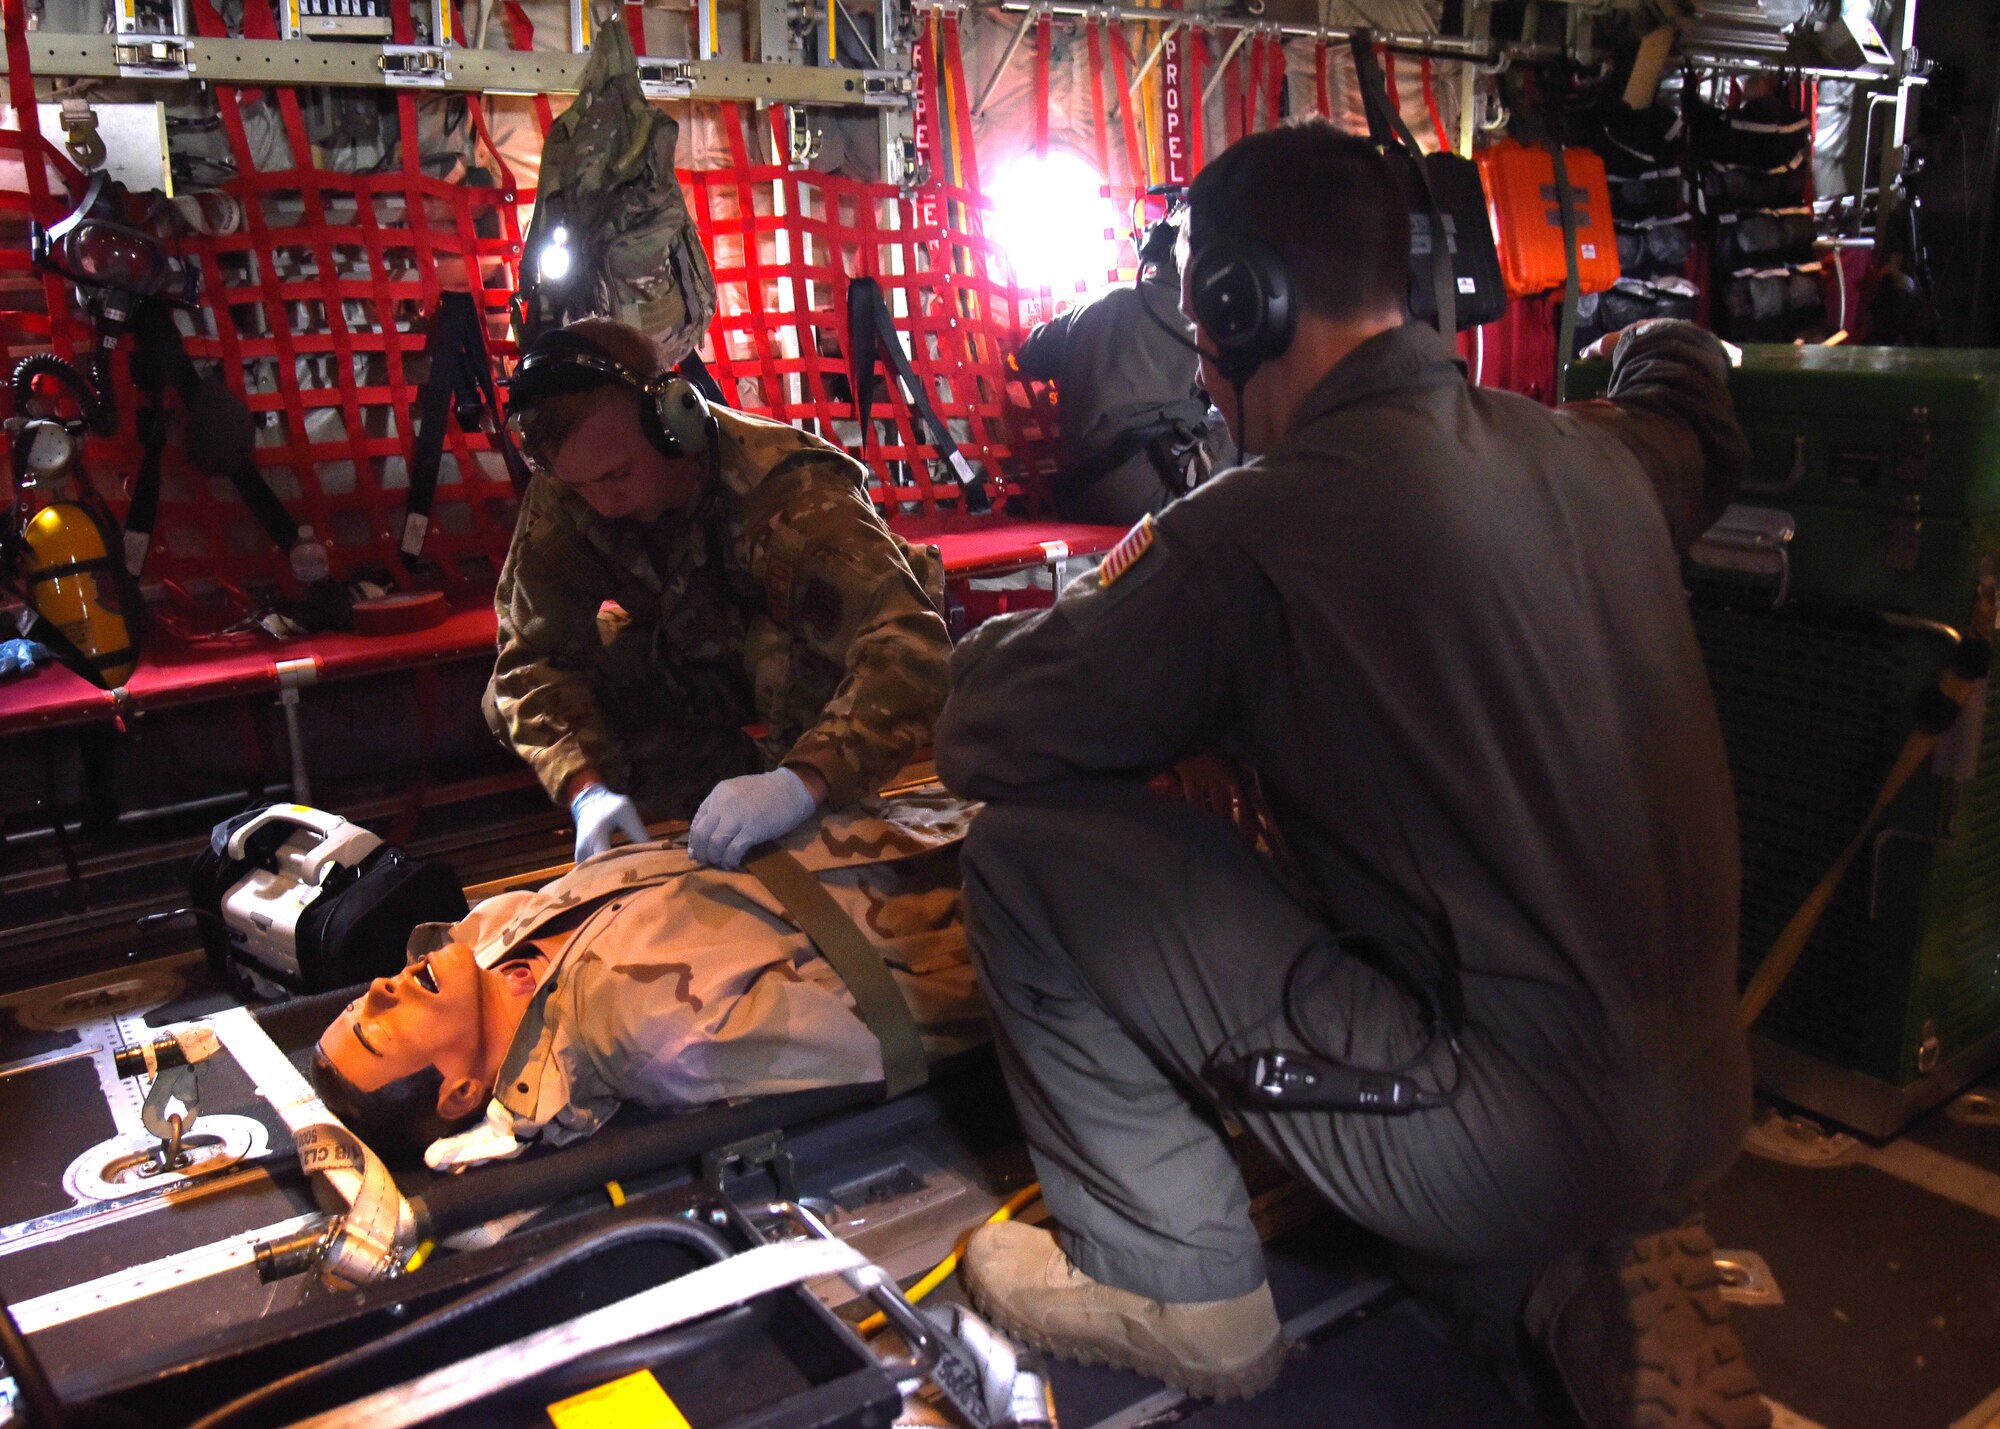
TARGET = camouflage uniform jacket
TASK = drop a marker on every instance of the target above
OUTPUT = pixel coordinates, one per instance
(680, 984)
(779, 597)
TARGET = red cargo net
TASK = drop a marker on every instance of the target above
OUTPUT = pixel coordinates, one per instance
(318, 285)
(316, 292)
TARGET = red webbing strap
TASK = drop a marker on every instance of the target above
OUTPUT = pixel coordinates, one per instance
(1431, 103)
(27, 117)
(508, 187)
(635, 26)
(1197, 111)
(36, 152)
(965, 158)
(754, 318)
(259, 24)
(1100, 117)
(1275, 63)
(1389, 77)
(252, 246)
(1136, 172)
(521, 31)
(1319, 79)
(1812, 148)
(1234, 120)
(927, 211)
(279, 348)
(1044, 38)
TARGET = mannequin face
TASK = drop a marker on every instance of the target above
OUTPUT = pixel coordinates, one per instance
(610, 464)
(428, 1015)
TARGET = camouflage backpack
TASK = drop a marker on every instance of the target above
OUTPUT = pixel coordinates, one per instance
(608, 196)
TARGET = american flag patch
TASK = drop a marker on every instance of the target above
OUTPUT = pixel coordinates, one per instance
(1134, 544)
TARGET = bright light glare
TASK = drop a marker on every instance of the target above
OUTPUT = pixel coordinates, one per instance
(1051, 219)
(552, 263)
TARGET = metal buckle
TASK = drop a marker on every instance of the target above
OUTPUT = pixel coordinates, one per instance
(666, 79)
(888, 91)
(416, 66)
(935, 1354)
(153, 57)
(765, 1151)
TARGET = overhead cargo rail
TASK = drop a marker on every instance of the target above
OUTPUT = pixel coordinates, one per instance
(1720, 51)
(447, 67)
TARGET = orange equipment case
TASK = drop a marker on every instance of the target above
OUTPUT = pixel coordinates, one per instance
(1527, 218)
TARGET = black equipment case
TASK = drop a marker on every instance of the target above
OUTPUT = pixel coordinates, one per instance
(298, 900)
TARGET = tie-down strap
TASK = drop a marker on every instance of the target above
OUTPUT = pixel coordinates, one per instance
(855, 957)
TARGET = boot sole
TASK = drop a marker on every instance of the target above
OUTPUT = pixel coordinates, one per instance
(1687, 1369)
(1250, 1379)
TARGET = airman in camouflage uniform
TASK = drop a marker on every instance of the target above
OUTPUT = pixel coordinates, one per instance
(775, 597)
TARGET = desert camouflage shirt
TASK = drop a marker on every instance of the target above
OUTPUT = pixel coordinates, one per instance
(778, 597)
(675, 984)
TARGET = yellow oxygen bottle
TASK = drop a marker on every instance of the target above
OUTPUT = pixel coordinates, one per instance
(73, 583)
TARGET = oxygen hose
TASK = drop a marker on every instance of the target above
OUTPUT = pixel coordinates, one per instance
(698, 1237)
(44, 1408)
(940, 1272)
(94, 402)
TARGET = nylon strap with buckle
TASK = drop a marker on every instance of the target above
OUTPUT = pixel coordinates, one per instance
(1387, 129)
(871, 337)
(162, 361)
(855, 957)
(1566, 327)
(460, 378)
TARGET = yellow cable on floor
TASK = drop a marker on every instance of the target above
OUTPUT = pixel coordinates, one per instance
(941, 1272)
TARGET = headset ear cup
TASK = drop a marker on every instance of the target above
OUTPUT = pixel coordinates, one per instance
(1243, 300)
(680, 414)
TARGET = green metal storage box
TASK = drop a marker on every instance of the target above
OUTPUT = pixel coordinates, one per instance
(1827, 601)
(1873, 426)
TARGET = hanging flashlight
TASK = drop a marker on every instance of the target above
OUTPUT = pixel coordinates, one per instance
(553, 262)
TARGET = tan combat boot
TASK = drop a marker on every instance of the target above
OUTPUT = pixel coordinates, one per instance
(1019, 1278)
(1640, 1335)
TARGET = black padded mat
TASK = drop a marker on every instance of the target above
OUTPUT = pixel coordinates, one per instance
(1325, 1259)
(120, 1242)
(84, 1350)
(52, 1115)
(1892, 1295)
(18, 1042)
(1381, 1372)
(196, 1002)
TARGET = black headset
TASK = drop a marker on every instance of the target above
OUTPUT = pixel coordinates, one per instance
(1243, 300)
(672, 411)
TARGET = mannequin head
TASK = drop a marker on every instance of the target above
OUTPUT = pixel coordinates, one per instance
(414, 1057)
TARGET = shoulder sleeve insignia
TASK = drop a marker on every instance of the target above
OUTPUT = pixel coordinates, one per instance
(1134, 544)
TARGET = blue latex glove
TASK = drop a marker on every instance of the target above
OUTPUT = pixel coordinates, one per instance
(599, 814)
(19, 657)
(741, 813)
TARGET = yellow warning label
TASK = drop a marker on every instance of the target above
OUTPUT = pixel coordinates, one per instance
(634, 1402)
